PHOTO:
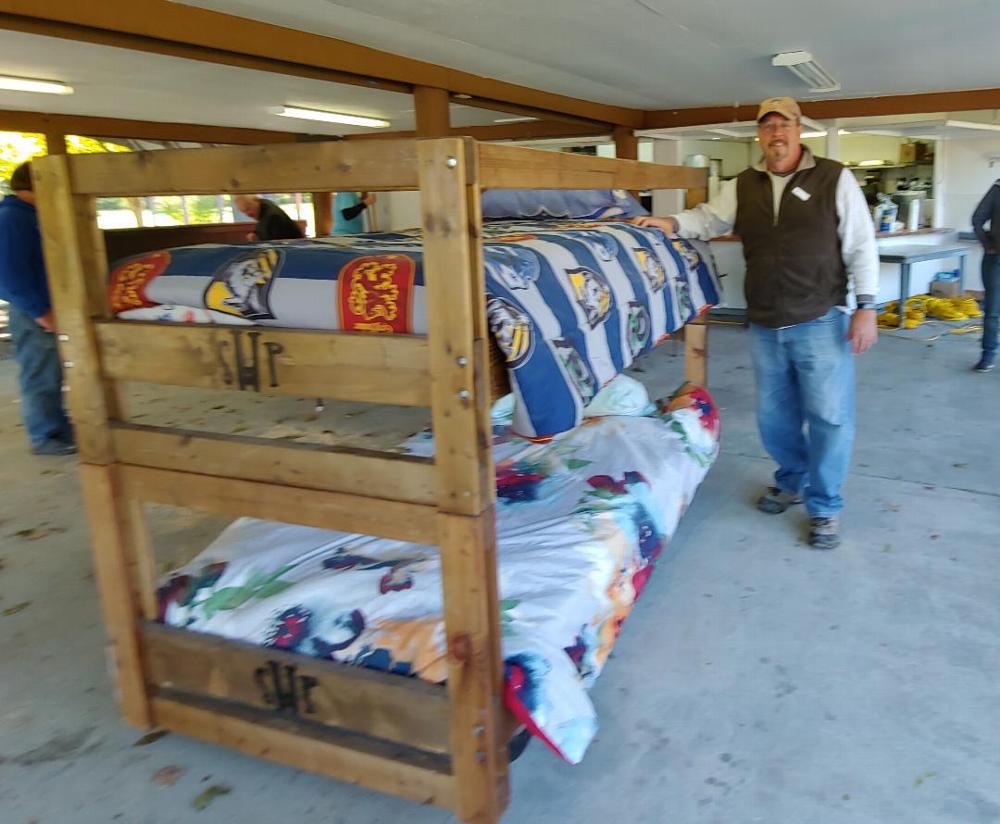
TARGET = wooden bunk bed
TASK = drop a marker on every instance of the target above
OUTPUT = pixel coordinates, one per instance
(443, 745)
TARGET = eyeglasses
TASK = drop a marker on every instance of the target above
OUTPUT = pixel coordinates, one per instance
(777, 125)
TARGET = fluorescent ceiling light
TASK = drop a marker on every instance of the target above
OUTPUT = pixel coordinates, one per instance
(515, 119)
(871, 163)
(802, 65)
(25, 84)
(727, 132)
(331, 117)
(813, 134)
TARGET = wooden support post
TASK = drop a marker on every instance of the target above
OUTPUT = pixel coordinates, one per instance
(322, 213)
(111, 520)
(453, 271)
(432, 111)
(76, 264)
(55, 143)
(697, 194)
(626, 143)
(696, 352)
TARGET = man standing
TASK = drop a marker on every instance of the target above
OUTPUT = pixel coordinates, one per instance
(272, 222)
(809, 242)
(988, 211)
(24, 287)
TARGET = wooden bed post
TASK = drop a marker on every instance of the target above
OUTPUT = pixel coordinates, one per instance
(77, 273)
(696, 332)
(322, 213)
(453, 271)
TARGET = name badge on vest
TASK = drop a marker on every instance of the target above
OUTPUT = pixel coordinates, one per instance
(801, 193)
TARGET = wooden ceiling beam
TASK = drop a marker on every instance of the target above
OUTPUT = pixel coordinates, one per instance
(113, 127)
(530, 130)
(164, 27)
(957, 101)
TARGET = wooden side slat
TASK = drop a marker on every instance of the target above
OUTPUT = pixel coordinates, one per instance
(336, 469)
(280, 167)
(338, 365)
(349, 758)
(515, 167)
(289, 504)
(379, 704)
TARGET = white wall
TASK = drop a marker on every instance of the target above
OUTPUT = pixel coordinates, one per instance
(735, 155)
(962, 175)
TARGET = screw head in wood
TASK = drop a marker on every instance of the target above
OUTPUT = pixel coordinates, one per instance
(452, 162)
(464, 394)
(68, 364)
(462, 361)
(64, 338)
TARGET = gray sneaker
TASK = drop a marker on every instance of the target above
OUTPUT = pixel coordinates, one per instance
(986, 363)
(55, 446)
(824, 533)
(774, 501)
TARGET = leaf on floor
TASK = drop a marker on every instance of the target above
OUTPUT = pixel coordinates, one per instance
(920, 779)
(208, 796)
(36, 533)
(151, 738)
(168, 776)
(17, 608)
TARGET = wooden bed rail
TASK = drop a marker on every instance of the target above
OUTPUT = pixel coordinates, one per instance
(349, 165)
(446, 746)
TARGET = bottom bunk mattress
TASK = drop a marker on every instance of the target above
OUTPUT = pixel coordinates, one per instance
(580, 522)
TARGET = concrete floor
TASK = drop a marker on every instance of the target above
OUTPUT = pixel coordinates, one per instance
(757, 681)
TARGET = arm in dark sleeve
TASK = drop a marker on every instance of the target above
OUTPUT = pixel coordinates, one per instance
(22, 268)
(987, 207)
(352, 212)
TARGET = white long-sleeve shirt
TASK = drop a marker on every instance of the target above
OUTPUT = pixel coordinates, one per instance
(854, 225)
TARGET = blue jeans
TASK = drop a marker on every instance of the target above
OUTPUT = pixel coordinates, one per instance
(991, 323)
(805, 406)
(40, 379)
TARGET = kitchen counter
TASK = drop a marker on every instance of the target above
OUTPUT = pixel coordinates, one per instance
(878, 235)
(912, 232)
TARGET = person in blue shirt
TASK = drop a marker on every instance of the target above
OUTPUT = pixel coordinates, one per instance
(988, 211)
(32, 326)
(348, 212)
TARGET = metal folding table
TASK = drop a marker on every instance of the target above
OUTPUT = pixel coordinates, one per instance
(907, 255)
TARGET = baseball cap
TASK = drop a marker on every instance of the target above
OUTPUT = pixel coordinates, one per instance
(784, 106)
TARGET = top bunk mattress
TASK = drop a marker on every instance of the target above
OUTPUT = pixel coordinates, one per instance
(571, 304)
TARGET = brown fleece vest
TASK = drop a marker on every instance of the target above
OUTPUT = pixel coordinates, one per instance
(795, 272)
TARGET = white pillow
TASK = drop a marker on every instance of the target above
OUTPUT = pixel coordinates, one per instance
(622, 395)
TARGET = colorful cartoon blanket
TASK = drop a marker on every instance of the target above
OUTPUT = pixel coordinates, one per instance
(571, 304)
(580, 522)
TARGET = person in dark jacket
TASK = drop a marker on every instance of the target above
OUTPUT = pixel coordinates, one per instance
(988, 211)
(348, 212)
(32, 326)
(272, 222)
(812, 279)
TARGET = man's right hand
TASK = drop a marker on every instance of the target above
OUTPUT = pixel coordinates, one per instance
(47, 322)
(665, 224)
(368, 198)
